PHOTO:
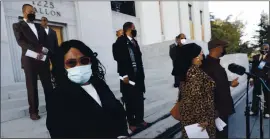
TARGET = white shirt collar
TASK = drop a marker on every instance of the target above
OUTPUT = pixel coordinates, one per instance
(92, 92)
(129, 38)
(26, 21)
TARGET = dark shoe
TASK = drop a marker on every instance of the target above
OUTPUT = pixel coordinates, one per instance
(133, 128)
(34, 117)
(175, 86)
(145, 124)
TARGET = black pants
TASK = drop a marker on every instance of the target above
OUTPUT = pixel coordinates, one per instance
(176, 81)
(224, 134)
(134, 102)
(32, 69)
(258, 89)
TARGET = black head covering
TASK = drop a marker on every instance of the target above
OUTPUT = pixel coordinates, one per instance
(189, 52)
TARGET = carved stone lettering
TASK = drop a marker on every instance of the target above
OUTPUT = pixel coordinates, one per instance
(46, 8)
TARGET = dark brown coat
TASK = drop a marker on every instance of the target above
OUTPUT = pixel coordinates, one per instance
(223, 99)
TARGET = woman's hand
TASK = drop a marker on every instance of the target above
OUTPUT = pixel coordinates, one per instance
(203, 125)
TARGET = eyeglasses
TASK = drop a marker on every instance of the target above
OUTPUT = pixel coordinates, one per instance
(73, 62)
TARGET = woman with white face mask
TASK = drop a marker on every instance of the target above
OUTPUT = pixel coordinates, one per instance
(82, 105)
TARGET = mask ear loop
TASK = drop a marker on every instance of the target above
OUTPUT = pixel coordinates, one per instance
(95, 54)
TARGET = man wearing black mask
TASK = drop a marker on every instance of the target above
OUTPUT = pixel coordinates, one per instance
(31, 36)
(223, 99)
(258, 87)
(128, 56)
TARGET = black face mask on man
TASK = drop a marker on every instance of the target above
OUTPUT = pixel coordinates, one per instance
(31, 17)
(224, 52)
(263, 52)
(134, 33)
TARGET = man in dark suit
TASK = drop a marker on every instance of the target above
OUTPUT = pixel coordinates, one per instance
(128, 56)
(31, 36)
(258, 87)
(172, 54)
(52, 43)
(223, 100)
(176, 60)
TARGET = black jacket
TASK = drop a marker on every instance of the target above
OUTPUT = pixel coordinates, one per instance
(73, 113)
(52, 41)
(263, 73)
(172, 51)
(177, 62)
(26, 38)
(223, 99)
(124, 63)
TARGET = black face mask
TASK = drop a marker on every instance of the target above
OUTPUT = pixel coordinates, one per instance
(263, 52)
(223, 53)
(134, 33)
(31, 17)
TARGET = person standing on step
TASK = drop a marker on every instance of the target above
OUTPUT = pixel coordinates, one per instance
(127, 53)
(258, 87)
(31, 36)
(172, 53)
(52, 42)
(178, 52)
(224, 106)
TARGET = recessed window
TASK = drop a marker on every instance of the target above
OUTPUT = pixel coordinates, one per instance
(201, 17)
(190, 11)
(125, 7)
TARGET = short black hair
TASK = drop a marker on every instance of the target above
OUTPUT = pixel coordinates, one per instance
(24, 6)
(127, 26)
(45, 18)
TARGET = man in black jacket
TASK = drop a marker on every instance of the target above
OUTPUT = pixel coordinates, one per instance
(223, 100)
(258, 87)
(52, 42)
(172, 53)
(126, 52)
(31, 36)
(176, 60)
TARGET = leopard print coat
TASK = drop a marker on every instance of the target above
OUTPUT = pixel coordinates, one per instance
(197, 101)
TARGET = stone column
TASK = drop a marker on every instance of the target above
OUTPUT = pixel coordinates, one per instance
(184, 18)
(170, 14)
(7, 76)
(196, 20)
(96, 30)
(206, 22)
(149, 14)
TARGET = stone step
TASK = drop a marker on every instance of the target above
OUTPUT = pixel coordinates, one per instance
(12, 114)
(154, 109)
(157, 128)
(18, 102)
(18, 108)
(14, 92)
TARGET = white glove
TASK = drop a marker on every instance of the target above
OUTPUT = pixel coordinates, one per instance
(45, 50)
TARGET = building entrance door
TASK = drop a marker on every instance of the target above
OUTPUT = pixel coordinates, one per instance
(59, 33)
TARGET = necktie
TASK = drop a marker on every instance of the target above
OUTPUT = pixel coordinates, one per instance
(134, 43)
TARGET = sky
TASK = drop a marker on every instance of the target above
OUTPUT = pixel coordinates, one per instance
(247, 11)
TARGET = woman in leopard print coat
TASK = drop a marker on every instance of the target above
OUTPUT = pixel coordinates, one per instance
(196, 94)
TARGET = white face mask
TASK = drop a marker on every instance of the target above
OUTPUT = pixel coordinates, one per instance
(183, 41)
(80, 74)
